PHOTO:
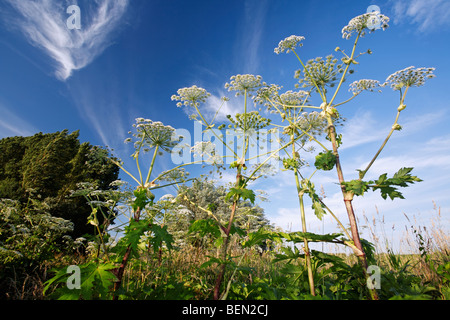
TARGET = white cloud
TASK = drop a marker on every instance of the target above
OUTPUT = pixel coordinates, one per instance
(100, 106)
(43, 22)
(361, 129)
(215, 105)
(13, 125)
(250, 35)
(427, 14)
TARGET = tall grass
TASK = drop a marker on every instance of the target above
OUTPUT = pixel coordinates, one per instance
(184, 273)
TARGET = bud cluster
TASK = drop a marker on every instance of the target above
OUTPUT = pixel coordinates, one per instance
(320, 72)
(250, 120)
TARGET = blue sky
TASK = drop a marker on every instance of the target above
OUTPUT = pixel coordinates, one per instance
(130, 56)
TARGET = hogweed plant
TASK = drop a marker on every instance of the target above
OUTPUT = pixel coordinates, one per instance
(145, 225)
(247, 127)
(253, 143)
(319, 76)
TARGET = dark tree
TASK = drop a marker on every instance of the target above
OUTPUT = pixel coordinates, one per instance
(48, 167)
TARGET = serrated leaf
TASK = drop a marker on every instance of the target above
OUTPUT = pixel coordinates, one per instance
(245, 194)
(141, 199)
(96, 278)
(160, 235)
(204, 227)
(257, 237)
(318, 209)
(288, 253)
(325, 161)
(388, 187)
(133, 233)
(298, 237)
(358, 187)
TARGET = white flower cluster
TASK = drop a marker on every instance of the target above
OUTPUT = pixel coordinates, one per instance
(409, 77)
(294, 98)
(320, 72)
(365, 21)
(313, 122)
(173, 175)
(242, 83)
(207, 148)
(153, 133)
(267, 93)
(289, 44)
(364, 84)
(191, 96)
(266, 169)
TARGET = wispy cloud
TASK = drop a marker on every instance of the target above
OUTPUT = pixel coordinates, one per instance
(100, 106)
(429, 15)
(251, 31)
(13, 125)
(216, 107)
(43, 22)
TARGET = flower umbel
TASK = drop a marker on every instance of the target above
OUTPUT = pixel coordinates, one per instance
(151, 134)
(364, 84)
(409, 77)
(289, 44)
(242, 83)
(207, 148)
(364, 22)
(294, 98)
(320, 73)
(191, 96)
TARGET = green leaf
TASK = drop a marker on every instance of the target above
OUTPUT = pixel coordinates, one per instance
(96, 280)
(133, 233)
(204, 227)
(318, 209)
(142, 198)
(299, 237)
(256, 238)
(358, 187)
(308, 187)
(388, 187)
(325, 161)
(219, 261)
(288, 253)
(160, 235)
(245, 194)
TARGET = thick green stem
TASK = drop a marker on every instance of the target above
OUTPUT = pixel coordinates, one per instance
(348, 198)
(151, 165)
(300, 193)
(305, 242)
